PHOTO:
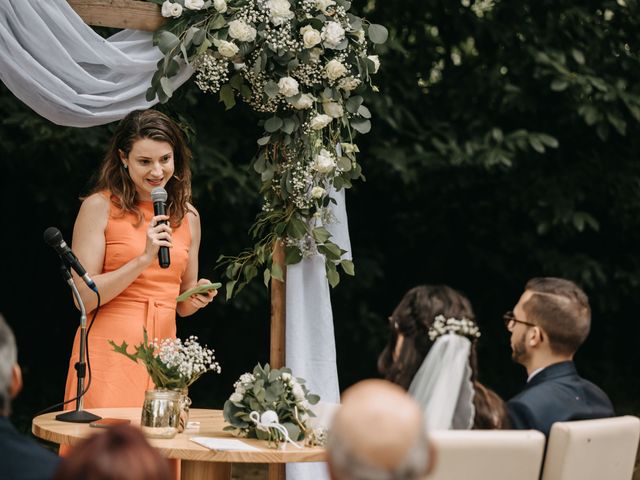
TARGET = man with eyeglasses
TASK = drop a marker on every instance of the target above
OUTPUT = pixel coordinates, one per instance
(548, 325)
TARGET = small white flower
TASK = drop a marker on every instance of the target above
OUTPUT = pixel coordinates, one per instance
(324, 162)
(220, 6)
(286, 377)
(236, 397)
(360, 36)
(349, 83)
(171, 9)
(335, 69)
(194, 4)
(349, 147)
(303, 102)
(227, 49)
(320, 121)
(317, 192)
(333, 109)
(310, 36)
(323, 5)
(608, 15)
(240, 389)
(288, 86)
(279, 11)
(298, 392)
(241, 31)
(376, 62)
(332, 34)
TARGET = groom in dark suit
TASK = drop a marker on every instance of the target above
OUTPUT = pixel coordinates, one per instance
(548, 325)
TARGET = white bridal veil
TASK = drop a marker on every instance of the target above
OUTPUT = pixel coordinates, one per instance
(442, 385)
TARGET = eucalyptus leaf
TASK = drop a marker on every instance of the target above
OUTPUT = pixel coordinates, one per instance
(377, 33)
(166, 41)
(273, 124)
(227, 96)
(361, 125)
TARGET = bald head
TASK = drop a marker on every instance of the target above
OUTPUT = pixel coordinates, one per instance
(378, 433)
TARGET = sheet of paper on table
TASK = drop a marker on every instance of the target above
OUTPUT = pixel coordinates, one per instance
(224, 444)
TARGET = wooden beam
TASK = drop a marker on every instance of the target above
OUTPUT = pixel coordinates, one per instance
(133, 14)
(278, 310)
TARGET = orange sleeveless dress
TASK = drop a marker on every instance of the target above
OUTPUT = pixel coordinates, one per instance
(149, 302)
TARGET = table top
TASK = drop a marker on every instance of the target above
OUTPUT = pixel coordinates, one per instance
(211, 425)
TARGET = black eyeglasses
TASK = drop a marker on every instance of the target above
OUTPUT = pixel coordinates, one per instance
(510, 318)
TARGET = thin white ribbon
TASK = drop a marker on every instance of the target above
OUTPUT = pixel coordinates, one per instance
(269, 420)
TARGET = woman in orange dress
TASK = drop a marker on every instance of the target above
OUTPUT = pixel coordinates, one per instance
(117, 237)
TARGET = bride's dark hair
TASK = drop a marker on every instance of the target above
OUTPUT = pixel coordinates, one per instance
(412, 319)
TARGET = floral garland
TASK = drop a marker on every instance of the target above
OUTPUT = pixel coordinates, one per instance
(442, 326)
(303, 64)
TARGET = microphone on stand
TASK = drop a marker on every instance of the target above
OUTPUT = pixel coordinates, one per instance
(53, 237)
(159, 197)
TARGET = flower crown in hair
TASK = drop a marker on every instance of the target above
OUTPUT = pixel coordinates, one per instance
(442, 326)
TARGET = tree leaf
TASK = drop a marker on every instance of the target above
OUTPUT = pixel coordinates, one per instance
(348, 267)
(321, 234)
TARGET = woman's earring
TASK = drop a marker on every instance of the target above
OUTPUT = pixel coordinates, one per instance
(125, 166)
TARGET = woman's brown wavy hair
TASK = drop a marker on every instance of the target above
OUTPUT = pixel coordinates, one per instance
(114, 178)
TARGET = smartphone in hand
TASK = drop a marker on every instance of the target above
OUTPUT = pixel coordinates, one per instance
(198, 289)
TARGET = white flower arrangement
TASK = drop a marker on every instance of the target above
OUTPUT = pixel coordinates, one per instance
(464, 326)
(172, 363)
(270, 397)
(304, 63)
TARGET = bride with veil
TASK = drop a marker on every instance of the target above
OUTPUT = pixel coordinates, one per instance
(431, 352)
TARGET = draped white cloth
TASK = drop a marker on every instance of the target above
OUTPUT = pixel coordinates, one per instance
(56, 64)
(442, 385)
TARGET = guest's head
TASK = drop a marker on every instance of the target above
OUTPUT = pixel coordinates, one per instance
(117, 453)
(148, 150)
(549, 323)
(10, 373)
(378, 433)
(409, 323)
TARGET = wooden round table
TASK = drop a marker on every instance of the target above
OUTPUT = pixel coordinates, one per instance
(198, 462)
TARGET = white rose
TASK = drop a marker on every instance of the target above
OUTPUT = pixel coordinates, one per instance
(269, 417)
(227, 49)
(310, 36)
(171, 9)
(333, 109)
(322, 5)
(304, 101)
(317, 192)
(288, 86)
(320, 121)
(348, 83)
(332, 34)
(376, 62)
(241, 31)
(335, 69)
(279, 11)
(298, 392)
(236, 397)
(194, 4)
(324, 162)
(220, 6)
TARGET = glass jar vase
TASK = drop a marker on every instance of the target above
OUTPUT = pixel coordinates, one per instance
(161, 413)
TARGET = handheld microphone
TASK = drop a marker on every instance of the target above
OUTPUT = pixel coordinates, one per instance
(53, 237)
(159, 197)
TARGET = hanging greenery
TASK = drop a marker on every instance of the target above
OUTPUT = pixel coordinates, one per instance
(303, 66)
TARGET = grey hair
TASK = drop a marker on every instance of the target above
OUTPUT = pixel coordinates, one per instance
(8, 358)
(346, 464)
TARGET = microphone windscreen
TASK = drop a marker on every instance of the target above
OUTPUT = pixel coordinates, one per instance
(159, 194)
(52, 236)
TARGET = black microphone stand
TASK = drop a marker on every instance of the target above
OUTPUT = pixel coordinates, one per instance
(78, 415)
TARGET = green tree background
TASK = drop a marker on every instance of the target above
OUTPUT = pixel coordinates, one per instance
(505, 146)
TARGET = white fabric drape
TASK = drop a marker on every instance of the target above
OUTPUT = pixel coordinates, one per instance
(442, 385)
(56, 64)
(310, 341)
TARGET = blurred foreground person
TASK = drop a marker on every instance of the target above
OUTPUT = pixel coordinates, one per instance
(549, 323)
(378, 433)
(20, 457)
(119, 453)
